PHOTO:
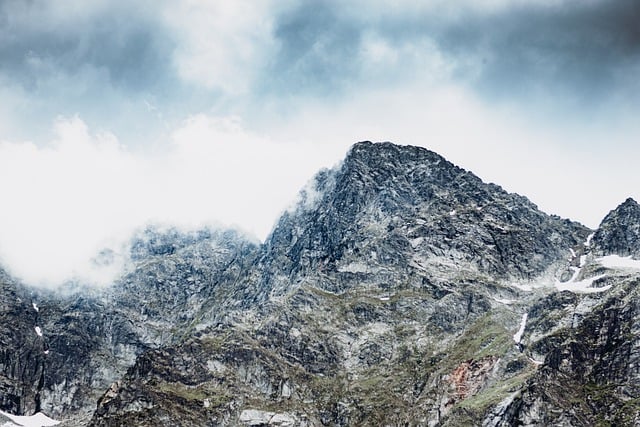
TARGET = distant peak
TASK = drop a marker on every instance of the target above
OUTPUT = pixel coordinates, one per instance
(627, 211)
(619, 231)
(628, 208)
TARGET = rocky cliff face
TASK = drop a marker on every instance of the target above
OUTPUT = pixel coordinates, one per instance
(400, 290)
(22, 350)
(62, 349)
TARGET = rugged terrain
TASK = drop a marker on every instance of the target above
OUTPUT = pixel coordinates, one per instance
(400, 290)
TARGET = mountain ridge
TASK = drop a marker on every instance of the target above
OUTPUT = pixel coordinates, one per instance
(400, 289)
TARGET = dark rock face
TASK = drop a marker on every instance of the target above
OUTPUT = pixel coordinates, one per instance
(90, 337)
(22, 358)
(590, 375)
(619, 232)
(393, 250)
(401, 290)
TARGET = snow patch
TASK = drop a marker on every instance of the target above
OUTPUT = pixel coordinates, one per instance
(416, 242)
(522, 287)
(583, 260)
(616, 261)
(583, 286)
(587, 243)
(504, 301)
(576, 272)
(38, 331)
(535, 362)
(573, 253)
(356, 267)
(37, 420)
(35, 306)
(517, 337)
(453, 213)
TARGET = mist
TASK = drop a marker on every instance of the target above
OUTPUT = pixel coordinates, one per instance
(84, 192)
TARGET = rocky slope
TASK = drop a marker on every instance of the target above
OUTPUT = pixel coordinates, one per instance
(401, 290)
(62, 350)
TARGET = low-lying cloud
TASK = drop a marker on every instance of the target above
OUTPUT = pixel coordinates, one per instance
(84, 192)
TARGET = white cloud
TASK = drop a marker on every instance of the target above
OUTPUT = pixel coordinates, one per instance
(84, 192)
(64, 201)
(222, 45)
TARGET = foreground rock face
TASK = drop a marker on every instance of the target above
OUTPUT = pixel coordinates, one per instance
(401, 290)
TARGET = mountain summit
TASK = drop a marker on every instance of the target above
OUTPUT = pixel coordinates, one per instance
(399, 290)
(619, 231)
(409, 202)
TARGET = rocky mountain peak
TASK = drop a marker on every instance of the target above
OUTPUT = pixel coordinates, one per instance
(397, 175)
(619, 231)
(388, 205)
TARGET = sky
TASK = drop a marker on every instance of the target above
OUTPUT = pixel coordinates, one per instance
(118, 114)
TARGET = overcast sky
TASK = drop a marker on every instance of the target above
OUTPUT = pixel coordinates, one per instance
(194, 112)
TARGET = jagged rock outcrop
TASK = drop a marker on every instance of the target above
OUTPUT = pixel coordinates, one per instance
(590, 343)
(619, 232)
(590, 372)
(392, 206)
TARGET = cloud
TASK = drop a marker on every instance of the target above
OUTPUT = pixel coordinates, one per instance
(124, 43)
(250, 58)
(572, 170)
(85, 192)
(586, 51)
(221, 45)
(99, 58)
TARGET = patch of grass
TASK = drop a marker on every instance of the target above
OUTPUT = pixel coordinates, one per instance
(495, 393)
(486, 337)
(217, 397)
(215, 343)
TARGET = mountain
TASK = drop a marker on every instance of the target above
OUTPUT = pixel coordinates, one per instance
(399, 290)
